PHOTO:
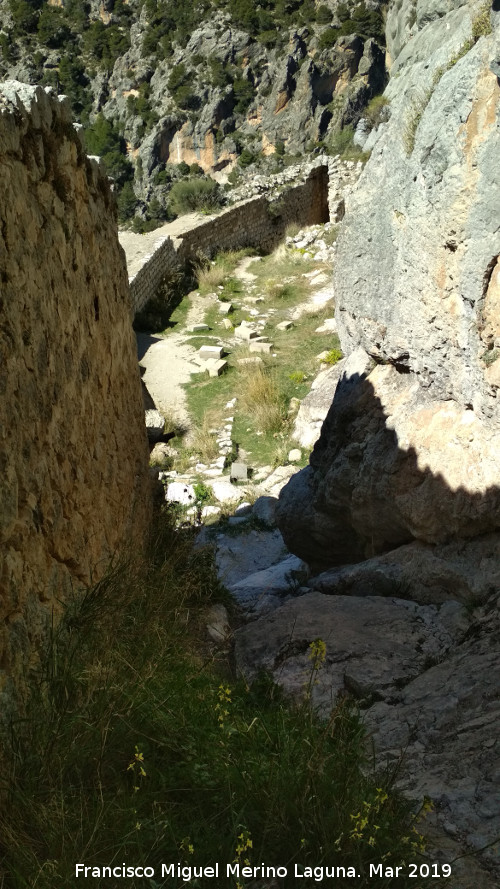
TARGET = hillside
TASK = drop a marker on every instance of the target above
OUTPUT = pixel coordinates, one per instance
(170, 91)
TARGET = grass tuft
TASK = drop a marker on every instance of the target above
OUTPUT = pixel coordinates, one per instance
(263, 398)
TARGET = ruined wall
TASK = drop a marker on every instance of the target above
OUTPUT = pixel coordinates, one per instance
(257, 222)
(73, 450)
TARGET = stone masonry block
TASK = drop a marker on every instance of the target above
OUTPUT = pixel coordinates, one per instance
(265, 348)
(208, 352)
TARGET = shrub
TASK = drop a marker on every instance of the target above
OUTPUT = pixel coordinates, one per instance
(52, 28)
(203, 442)
(323, 15)
(342, 143)
(127, 202)
(375, 111)
(105, 43)
(24, 15)
(219, 75)
(195, 194)
(244, 93)
(268, 38)
(297, 376)
(246, 158)
(328, 38)
(74, 82)
(137, 747)
(481, 25)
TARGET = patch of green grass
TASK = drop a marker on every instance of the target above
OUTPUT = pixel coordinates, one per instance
(481, 25)
(178, 316)
(334, 356)
(376, 110)
(138, 747)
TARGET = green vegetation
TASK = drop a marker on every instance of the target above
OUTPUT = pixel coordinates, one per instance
(263, 398)
(105, 44)
(490, 356)
(342, 143)
(103, 139)
(353, 20)
(375, 111)
(195, 194)
(139, 106)
(481, 25)
(244, 93)
(334, 355)
(217, 273)
(139, 746)
(262, 423)
(179, 85)
(413, 117)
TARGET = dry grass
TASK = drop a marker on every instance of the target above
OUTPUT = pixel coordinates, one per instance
(212, 275)
(263, 398)
(203, 442)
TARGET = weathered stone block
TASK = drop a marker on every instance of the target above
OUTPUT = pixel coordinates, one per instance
(245, 333)
(266, 348)
(216, 368)
(239, 471)
(208, 352)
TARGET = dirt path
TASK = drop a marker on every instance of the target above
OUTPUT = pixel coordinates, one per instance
(169, 360)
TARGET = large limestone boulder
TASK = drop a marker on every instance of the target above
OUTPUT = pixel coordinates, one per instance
(391, 465)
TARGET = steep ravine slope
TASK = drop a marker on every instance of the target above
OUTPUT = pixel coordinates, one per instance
(214, 83)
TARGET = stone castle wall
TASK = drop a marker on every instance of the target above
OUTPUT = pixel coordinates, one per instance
(258, 222)
(73, 447)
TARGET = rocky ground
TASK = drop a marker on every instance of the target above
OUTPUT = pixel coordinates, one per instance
(410, 634)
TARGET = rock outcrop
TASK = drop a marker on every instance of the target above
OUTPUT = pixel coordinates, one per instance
(426, 680)
(73, 448)
(409, 450)
(400, 505)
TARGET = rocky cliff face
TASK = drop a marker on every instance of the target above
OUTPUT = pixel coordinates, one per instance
(409, 450)
(73, 450)
(206, 84)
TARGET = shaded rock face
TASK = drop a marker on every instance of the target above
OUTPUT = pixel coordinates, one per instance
(409, 450)
(73, 447)
(391, 465)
